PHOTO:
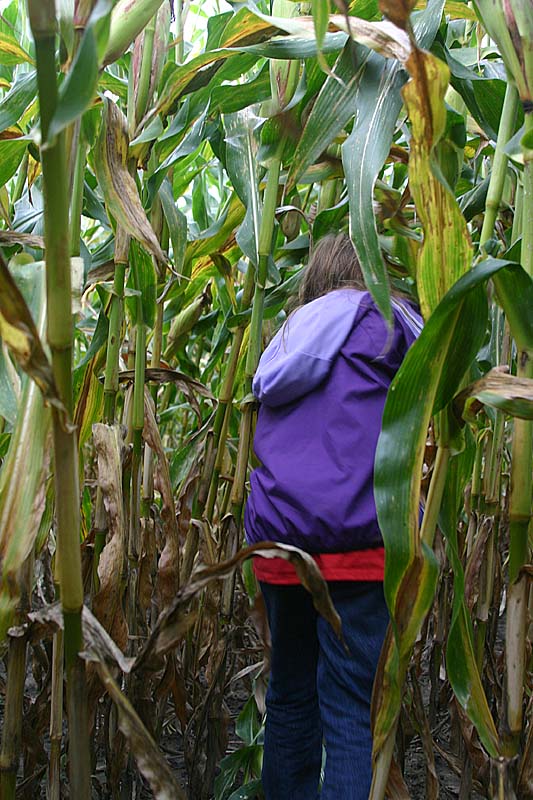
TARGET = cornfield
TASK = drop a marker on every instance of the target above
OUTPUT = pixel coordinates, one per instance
(159, 197)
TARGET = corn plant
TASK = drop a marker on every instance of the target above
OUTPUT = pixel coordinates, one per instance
(159, 198)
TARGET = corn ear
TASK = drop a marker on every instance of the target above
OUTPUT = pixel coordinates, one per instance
(185, 321)
(157, 60)
(128, 19)
(510, 24)
(284, 74)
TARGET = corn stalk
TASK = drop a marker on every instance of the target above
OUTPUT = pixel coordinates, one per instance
(511, 26)
(60, 335)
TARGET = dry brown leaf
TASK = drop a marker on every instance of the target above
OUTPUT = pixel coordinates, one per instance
(167, 375)
(396, 786)
(25, 239)
(475, 562)
(98, 644)
(107, 603)
(168, 566)
(146, 563)
(171, 623)
(397, 11)
(147, 754)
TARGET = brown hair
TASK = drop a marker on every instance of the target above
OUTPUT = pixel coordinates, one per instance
(333, 265)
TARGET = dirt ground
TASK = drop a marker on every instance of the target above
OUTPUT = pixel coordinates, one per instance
(172, 747)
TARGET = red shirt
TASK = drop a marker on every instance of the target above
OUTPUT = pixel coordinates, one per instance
(357, 565)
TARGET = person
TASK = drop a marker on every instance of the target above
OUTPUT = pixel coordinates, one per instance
(322, 384)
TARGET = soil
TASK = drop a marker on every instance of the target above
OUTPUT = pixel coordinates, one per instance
(448, 767)
(414, 762)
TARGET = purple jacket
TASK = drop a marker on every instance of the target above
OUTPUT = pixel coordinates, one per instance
(322, 384)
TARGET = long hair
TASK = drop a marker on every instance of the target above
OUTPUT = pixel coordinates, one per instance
(333, 265)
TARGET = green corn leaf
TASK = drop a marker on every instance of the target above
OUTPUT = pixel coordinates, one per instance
(98, 340)
(230, 767)
(9, 400)
(241, 166)
(19, 332)
(215, 29)
(425, 384)
(484, 100)
(251, 25)
(460, 654)
(244, 28)
(225, 100)
(111, 83)
(79, 87)
(177, 225)
(215, 237)
(364, 152)
(294, 46)
(246, 31)
(248, 723)
(320, 10)
(334, 107)
(145, 282)
(190, 142)
(22, 496)
(200, 209)
(149, 134)
(90, 400)
(457, 9)
(329, 220)
(363, 155)
(275, 301)
(366, 9)
(14, 104)
(473, 202)
(208, 69)
(251, 789)
(11, 154)
(515, 295)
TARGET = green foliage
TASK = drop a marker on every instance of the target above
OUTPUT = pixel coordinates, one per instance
(204, 170)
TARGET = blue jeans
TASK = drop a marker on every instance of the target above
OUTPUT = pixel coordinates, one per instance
(319, 692)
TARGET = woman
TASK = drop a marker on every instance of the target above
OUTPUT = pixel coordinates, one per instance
(322, 384)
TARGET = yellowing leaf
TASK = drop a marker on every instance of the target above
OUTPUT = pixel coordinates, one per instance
(11, 52)
(119, 188)
(447, 252)
(508, 393)
(457, 10)
(34, 169)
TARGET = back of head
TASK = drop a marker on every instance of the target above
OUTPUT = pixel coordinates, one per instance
(333, 265)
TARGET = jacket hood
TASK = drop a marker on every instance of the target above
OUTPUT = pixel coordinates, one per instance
(301, 354)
